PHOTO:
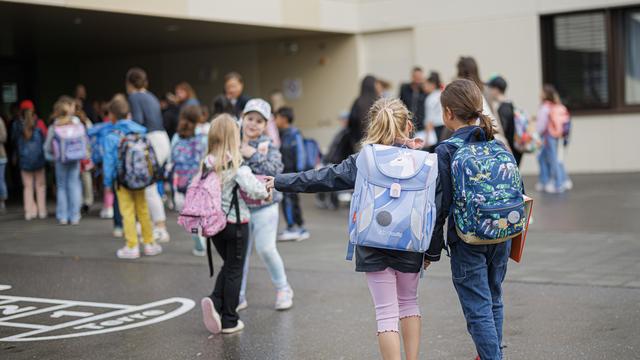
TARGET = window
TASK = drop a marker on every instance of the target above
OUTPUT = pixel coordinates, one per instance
(632, 58)
(593, 58)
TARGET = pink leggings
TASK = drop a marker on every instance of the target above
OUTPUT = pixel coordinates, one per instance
(395, 295)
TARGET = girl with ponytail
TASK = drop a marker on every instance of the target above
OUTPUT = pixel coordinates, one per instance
(477, 270)
(392, 275)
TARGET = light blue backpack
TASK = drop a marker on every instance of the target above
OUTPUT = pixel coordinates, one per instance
(393, 206)
(488, 206)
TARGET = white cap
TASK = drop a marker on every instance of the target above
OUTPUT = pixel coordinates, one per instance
(258, 105)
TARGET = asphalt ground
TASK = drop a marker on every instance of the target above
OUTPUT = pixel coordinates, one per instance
(576, 294)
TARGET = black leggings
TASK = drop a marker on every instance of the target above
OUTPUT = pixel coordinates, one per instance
(231, 244)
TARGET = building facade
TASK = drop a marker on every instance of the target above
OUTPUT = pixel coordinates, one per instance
(318, 50)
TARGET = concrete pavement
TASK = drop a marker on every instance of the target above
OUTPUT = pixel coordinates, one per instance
(575, 295)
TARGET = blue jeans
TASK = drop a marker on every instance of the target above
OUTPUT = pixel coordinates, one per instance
(3, 183)
(69, 191)
(551, 168)
(478, 272)
(117, 217)
(263, 230)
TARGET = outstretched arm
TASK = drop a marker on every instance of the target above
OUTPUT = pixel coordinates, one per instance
(331, 178)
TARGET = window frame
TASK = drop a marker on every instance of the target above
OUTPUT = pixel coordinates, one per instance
(616, 48)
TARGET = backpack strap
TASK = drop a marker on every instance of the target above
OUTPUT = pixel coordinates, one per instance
(350, 250)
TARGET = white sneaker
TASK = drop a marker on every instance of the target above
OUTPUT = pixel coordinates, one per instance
(235, 329)
(106, 213)
(152, 249)
(210, 316)
(128, 253)
(199, 253)
(568, 184)
(289, 235)
(118, 232)
(539, 187)
(303, 234)
(284, 299)
(242, 306)
(551, 189)
(42, 216)
(161, 235)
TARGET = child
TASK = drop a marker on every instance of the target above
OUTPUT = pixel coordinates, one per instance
(553, 176)
(477, 269)
(67, 146)
(132, 203)
(506, 112)
(145, 110)
(29, 143)
(86, 165)
(263, 158)
(224, 158)
(293, 158)
(392, 275)
(432, 108)
(187, 150)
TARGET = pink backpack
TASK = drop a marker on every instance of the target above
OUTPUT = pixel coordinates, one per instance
(202, 212)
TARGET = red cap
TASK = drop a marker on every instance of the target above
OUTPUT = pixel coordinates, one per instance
(27, 104)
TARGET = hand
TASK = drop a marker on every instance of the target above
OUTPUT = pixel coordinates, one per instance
(247, 151)
(270, 197)
(269, 183)
(426, 264)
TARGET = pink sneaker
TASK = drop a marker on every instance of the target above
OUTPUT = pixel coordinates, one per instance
(128, 253)
(152, 249)
(210, 316)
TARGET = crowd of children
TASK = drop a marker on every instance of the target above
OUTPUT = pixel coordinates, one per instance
(227, 176)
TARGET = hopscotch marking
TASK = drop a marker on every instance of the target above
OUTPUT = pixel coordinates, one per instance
(120, 317)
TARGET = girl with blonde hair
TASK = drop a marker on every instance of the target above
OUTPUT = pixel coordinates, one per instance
(224, 158)
(392, 275)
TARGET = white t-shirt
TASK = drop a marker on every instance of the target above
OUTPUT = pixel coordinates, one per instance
(433, 109)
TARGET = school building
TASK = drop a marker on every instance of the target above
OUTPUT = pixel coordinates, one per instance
(317, 51)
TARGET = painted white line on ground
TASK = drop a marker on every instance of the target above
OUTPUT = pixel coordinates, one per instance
(73, 302)
(5, 287)
(23, 325)
(38, 311)
(186, 305)
(6, 301)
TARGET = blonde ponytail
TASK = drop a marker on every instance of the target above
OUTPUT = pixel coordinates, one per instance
(388, 121)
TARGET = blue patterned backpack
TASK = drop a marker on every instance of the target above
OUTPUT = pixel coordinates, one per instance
(488, 207)
(137, 163)
(393, 206)
(185, 156)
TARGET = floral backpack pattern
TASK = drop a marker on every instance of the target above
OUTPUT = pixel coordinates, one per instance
(137, 163)
(185, 156)
(488, 205)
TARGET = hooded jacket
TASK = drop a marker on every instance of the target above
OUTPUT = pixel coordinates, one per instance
(110, 148)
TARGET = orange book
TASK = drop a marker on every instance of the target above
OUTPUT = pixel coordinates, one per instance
(517, 243)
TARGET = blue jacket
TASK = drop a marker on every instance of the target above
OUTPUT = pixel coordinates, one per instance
(97, 135)
(111, 144)
(292, 150)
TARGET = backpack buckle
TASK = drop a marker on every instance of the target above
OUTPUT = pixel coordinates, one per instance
(395, 190)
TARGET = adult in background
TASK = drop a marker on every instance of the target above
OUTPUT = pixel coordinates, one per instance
(185, 95)
(413, 96)
(433, 110)
(233, 91)
(497, 87)
(360, 109)
(87, 107)
(468, 69)
(145, 110)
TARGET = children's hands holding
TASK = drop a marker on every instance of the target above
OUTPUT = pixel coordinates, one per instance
(269, 183)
